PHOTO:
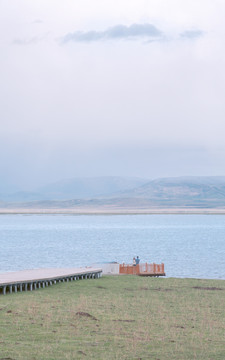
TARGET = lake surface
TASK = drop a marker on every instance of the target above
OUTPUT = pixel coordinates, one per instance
(189, 245)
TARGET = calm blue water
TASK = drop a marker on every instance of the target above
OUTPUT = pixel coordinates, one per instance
(189, 245)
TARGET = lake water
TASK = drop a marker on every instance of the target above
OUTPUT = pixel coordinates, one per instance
(189, 245)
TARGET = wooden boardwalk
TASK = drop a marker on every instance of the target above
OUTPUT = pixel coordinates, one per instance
(40, 278)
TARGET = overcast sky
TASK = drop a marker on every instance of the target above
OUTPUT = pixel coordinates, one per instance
(108, 87)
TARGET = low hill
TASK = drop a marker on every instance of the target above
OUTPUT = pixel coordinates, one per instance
(181, 188)
(76, 188)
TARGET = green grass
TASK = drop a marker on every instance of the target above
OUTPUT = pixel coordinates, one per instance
(130, 318)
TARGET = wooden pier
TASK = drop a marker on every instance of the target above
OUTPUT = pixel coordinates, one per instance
(144, 269)
(41, 278)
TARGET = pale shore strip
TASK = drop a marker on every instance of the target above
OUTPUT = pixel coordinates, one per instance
(112, 211)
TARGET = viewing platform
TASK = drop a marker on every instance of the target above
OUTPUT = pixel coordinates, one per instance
(144, 269)
(40, 278)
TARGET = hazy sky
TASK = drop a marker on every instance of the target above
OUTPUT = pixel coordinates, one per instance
(108, 87)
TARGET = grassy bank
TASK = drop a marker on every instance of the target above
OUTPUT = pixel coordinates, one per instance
(121, 317)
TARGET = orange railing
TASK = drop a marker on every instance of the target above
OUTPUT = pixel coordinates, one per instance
(143, 269)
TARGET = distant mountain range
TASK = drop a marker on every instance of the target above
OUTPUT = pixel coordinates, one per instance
(77, 188)
(124, 193)
(181, 188)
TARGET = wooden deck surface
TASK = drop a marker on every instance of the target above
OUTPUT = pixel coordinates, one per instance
(43, 274)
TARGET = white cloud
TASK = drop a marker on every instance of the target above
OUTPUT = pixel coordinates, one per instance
(192, 34)
(116, 32)
(38, 21)
(30, 40)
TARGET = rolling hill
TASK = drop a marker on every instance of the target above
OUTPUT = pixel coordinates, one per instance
(121, 194)
(76, 188)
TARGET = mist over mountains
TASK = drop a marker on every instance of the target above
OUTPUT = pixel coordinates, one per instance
(123, 193)
(76, 188)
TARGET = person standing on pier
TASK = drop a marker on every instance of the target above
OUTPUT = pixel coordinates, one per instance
(137, 260)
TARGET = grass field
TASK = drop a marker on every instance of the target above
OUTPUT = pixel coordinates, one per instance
(116, 317)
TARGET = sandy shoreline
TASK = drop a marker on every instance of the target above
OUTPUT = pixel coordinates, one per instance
(107, 211)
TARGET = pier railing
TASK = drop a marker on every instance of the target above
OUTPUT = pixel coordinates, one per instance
(144, 269)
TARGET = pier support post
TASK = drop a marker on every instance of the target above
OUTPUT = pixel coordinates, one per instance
(25, 287)
(21, 287)
(31, 286)
(15, 288)
(4, 290)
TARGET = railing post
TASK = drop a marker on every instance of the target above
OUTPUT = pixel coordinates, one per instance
(137, 269)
